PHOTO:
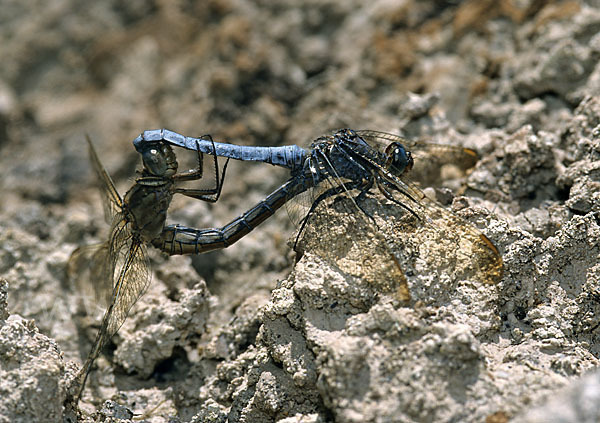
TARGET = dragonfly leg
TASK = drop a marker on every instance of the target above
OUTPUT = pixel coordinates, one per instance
(329, 193)
(211, 194)
(193, 174)
(364, 189)
(383, 188)
(366, 186)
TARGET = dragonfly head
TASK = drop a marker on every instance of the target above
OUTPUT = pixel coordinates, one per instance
(399, 160)
(159, 159)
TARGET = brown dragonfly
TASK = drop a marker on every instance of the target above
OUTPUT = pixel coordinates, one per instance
(119, 267)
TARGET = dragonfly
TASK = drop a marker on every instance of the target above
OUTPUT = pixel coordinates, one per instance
(119, 267)
(345, 169)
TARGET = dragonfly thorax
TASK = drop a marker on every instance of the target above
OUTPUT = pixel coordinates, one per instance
(342, 155)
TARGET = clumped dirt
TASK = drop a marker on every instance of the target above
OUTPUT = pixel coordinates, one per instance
(248, 334)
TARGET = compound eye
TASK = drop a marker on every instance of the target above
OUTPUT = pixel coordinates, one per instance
(399, 160)
(154, 161)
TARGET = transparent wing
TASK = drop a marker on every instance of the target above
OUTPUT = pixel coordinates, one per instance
(111, 200)
(348, 240)
(430, 159)
(339, 232)
(444, 239)
(298, 206)
(86, 264)
(131, 274)
(128, 268)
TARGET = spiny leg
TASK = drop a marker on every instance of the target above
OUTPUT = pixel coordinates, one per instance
(366, 186)
(193, 174)
(323, 196)
(212, 194)
(383, 188)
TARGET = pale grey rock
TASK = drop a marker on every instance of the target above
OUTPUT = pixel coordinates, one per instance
(31, 374)
(579, 402)
(162, 326)
(3, 302)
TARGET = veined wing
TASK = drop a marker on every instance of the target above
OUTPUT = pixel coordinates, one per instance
(347, 239)
(429, 158)
(444, 239)
(128, 267)
(111, 200)
(131, 273)
(343, 235)
(91, 263)
(119, 268)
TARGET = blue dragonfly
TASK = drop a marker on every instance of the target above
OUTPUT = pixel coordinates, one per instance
(347, 167)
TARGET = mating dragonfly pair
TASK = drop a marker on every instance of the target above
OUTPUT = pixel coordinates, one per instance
(333, 181)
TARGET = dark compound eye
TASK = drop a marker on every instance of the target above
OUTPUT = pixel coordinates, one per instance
(154, 160)
(399, 160)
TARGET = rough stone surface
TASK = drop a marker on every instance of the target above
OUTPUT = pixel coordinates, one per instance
(160, 327)
(31, 371)
(576, 403)
(3, 302)
(254, 333)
